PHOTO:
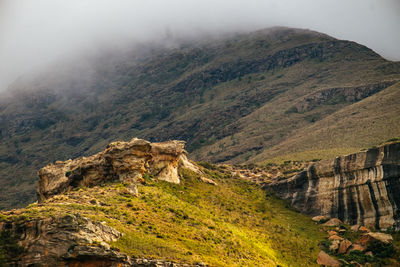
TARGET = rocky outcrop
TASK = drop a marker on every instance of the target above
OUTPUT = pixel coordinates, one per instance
(70, 240)
(121, 161)
(337, 95)
(361, 188)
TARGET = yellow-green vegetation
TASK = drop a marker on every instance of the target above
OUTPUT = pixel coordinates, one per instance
(232, 224)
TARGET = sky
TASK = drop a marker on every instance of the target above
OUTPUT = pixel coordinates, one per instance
(36, 33)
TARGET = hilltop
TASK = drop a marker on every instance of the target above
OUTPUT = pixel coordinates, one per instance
(117, 208)
(271, 95)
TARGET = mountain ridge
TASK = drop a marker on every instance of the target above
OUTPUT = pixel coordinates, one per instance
(229, 98)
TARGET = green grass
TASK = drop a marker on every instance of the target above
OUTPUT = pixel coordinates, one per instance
(232, 224)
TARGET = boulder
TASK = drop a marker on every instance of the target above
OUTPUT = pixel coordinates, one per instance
(370, 237)
(330, 233)
(207, 180)
(356, 247)
(320, 218)
(335, 237)
(334, 246)
(326, 260)
(333, 222)
(344, 246)
(363, 229)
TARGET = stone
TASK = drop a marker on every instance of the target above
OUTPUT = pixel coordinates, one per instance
(320, 218)
(344, 246)
(356, 247)
(358, 188)
(333, 222)
(132, 189)
(326, 260)
(369, 253)
(335, 237)
(370, 237)
(363, 229)
(120, 161)
(208, 181)
(334, 246)
(330, 233)
(354, 228)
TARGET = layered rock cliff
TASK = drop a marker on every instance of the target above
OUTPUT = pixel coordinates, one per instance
(121, 161)
(361, 188)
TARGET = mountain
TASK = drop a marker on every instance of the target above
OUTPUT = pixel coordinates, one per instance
(270, 95)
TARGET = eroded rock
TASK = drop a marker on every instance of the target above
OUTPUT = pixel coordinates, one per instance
(53, 241)
(121, 161)
(360, 188)
(375, 236)
(326, 260)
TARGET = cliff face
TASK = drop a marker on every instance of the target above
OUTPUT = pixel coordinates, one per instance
(361, 188)
(121, 161)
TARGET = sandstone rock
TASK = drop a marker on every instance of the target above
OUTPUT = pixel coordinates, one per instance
(374, 236)
(72, 240)
(208, 181)
(369, 253)
(334, 246)
(320, 218)
(363, 229)
(122, 161)
(326, 260)
(335, 237)
(344, 246)
(330, 233)
(356, 247)
(333, 222)
(132, 189)
(360, 188)
(50, 240)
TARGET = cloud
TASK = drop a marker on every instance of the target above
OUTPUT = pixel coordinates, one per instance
(36, 33)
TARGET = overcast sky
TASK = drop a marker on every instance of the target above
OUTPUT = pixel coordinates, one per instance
(34, 33)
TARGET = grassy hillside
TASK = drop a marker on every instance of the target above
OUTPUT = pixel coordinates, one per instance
(231, 224)
(359, 126)
(235, 98)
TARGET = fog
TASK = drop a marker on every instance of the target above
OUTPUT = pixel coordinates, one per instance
(35, 33)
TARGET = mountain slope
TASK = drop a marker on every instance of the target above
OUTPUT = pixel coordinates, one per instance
(230, 98)
(358, 126)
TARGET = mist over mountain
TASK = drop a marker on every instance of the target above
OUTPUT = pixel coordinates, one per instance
(36, 34)
(269, 95)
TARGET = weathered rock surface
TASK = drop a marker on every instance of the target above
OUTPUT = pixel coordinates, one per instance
(70, 240)
(123, 161)
(375, 237)
(326, 260)
(360, 188)
(55, 241)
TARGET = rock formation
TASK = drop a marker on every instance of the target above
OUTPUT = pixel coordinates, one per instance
(74, 240)
(70, 240)
(361, 188)
(123, 161)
